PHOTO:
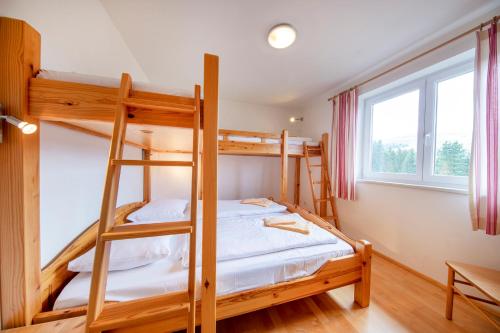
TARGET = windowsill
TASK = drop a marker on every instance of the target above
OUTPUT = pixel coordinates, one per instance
(416, 186)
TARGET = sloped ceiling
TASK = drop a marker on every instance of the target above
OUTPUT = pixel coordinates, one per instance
(337, 39)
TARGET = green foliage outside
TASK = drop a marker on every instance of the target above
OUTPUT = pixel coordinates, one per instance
(451, 159)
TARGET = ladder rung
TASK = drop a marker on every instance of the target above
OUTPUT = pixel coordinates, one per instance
(315, 165)
(140, 311)
(313, 148)
(154, 163)
(157, 105)
(318, 182)
(126, 231)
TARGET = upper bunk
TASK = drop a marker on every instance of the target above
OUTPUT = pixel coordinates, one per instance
(158, 118)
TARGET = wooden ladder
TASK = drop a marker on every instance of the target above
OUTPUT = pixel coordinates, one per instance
(325, 181)
(180, 305)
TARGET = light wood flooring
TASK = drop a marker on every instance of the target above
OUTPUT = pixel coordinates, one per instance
(400, 302)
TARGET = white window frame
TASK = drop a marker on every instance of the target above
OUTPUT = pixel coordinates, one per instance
(426, 132)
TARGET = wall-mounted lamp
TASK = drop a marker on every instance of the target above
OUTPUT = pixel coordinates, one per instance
(24, 126)
(295, 119)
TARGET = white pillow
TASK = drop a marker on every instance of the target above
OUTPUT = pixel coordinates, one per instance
(126, 254)
(161, 210)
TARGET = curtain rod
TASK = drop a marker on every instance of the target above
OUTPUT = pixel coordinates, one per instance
(463, 34)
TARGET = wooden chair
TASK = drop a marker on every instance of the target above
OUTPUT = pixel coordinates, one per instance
(485, 280)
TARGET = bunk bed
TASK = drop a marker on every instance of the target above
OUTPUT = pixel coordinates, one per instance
(80, 105)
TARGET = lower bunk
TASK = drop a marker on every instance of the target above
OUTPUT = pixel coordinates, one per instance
(243, 284)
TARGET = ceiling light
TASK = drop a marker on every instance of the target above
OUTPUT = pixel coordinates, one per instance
(281, 36)
(294, 119)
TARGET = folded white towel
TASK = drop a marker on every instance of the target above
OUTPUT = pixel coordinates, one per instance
(263, 202)
(291, 222)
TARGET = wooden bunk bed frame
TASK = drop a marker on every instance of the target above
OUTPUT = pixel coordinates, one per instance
(27, 291)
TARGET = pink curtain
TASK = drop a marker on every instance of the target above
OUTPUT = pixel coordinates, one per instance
(484, 175)
(343, 157)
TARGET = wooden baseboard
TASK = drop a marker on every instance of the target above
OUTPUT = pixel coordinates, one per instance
(411, 270)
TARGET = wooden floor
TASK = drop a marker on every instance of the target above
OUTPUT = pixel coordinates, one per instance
(400, 302)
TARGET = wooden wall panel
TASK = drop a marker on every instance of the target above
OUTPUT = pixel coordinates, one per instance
(19, 178)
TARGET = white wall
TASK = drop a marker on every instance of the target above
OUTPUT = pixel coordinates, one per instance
(72, 169)
(419, 228)
(77, 36)
(239, 176)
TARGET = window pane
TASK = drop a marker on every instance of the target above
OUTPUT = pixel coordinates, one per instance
(394, 134)
(454, 125)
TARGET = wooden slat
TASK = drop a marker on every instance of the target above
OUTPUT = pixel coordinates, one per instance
(249, 148)
(296, 199)
(59, 100)
(141, 311)
(284, 166)
(309, 177)
(146, 230)
(191, 325)
(250, 134)
(153, 163)
(146, 176)
(323, 208)
(19, 178)
(210, 166)
(327, 186)
(102, 249)
(146, 104)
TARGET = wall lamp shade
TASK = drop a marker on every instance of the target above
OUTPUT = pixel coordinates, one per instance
(24, 126)
(281, 36)
(295, 119)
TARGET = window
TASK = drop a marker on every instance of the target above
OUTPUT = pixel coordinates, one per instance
(420, 132)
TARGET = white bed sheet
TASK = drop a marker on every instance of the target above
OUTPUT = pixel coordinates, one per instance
(167, 275)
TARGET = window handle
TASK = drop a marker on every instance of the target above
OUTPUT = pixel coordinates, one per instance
(427, 140)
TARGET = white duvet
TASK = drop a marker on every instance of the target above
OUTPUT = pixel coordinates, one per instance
(246, 236)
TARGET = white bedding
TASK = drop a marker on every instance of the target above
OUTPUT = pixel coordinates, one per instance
(246, 236)
(232, 276)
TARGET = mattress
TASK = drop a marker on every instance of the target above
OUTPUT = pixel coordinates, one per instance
(168, 275)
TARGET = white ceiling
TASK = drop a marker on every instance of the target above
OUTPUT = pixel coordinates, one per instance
(336, 40)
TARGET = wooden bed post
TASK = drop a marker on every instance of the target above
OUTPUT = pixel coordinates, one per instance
(284, 166)
(19, 162)
(296, 197)
(323, 208)
(210, 156)
(362, 288)
(146, 177)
